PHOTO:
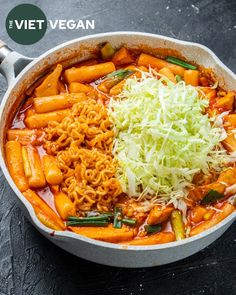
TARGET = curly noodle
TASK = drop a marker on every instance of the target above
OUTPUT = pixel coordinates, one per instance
(82, 144)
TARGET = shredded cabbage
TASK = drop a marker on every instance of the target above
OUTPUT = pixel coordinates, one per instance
(163, 137)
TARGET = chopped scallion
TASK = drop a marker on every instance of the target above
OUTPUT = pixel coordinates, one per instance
(107, 51)
(178, 225)
(178, 78)
(211, 197)
(89, 218)
(180, 62)
(115, 76)
(88, 223)
(118, 215)
(151, 229)
(129, 221)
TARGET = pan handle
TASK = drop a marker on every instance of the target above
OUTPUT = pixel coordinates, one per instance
(2, 43)
(11, 62)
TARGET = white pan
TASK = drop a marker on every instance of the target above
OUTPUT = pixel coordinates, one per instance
(21, 72)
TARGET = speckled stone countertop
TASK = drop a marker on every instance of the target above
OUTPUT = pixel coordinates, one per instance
(29, 264)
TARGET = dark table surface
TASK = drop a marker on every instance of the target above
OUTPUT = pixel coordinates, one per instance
(29, 264)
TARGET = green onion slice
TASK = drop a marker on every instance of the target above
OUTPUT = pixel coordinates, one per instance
(98, 213)
(92, 213)
(178, 78)
(109, 214)
(107, 51)
(180, 62)
(118, 215)
(117, 76)
(98, 218)
(129, 221)
(88, 223)
(151, 229)
(211, 197)
(90, 218)
(122, 73)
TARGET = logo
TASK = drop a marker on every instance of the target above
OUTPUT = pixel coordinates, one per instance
(26, 24)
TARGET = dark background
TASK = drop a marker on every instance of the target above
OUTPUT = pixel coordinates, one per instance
(29, 264)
